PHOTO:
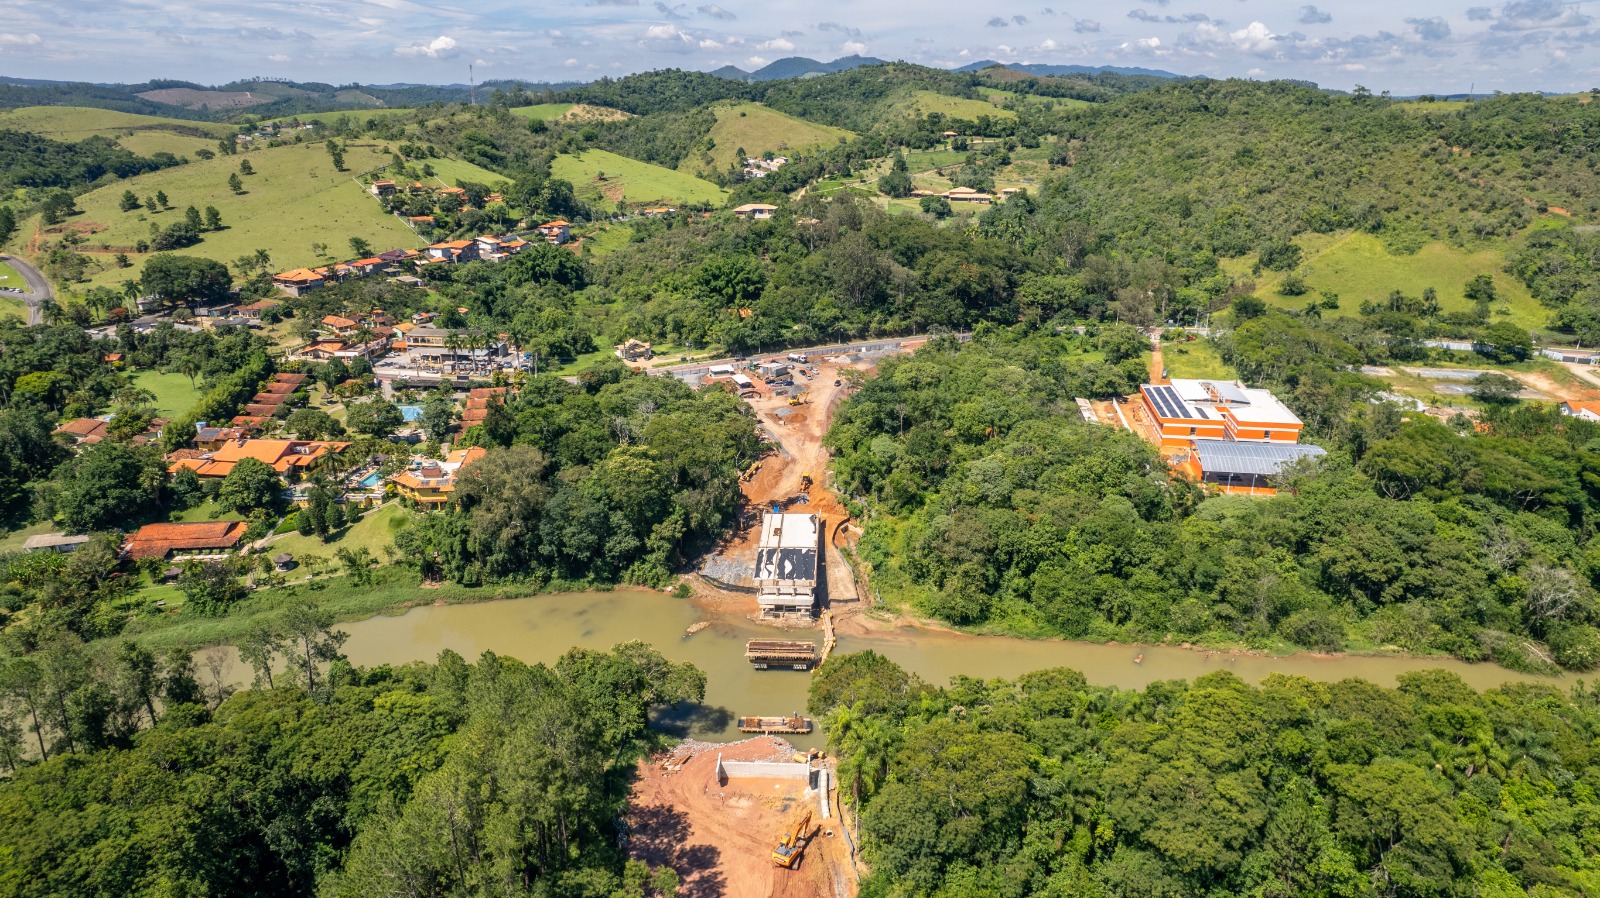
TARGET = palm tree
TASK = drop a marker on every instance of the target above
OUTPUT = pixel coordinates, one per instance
(50, 311)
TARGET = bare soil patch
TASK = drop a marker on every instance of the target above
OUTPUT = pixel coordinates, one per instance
(719, 835)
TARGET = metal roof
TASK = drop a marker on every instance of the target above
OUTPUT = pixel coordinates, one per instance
(1231, 457)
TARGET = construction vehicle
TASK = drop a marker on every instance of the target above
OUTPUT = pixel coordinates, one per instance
(751, 473)
(805, 482)
(792, 844)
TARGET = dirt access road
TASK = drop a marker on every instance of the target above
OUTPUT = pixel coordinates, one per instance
(796, 432)
(719, 834)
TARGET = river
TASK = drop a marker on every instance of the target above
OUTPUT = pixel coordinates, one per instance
(541, 628)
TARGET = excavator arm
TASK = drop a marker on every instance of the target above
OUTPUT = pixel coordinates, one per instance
(792, 844)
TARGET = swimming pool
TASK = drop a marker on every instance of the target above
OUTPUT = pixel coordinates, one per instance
(371, 480)
(411, 413)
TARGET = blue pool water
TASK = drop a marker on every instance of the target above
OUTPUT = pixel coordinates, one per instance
(371, 480)
(411, 412)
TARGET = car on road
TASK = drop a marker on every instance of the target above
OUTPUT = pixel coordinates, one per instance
(837, 382)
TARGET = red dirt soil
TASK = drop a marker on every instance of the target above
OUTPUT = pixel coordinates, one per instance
(719, 836)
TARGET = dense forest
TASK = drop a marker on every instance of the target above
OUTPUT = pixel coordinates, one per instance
(990, 503)
(28, 160)
(446, 779)
(1048, 786)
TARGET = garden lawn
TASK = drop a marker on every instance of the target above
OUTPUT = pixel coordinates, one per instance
(631, 181)
(294, 199)
(375, 530)
(543, 112)
(174, 395)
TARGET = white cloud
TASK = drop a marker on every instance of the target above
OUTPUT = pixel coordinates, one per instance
(28, 39)
(1049, 44)
(1256, 72)
(777, 43)
(756, 62)
(440, 47)
(1149, 43)
(666, 33)
(716, 12)
(852, 48)
(709, 44)
(277, 57)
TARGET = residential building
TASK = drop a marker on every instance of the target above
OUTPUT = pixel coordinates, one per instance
(300, 281)
(53, 542)
(339, 325)
(453, 251)
(290, 458)
(787, 565)
(83, 431)
(966, 195)
(430, 483)
(755, 211)
(254, 310)
(556, 232)
(382, 188)
(478, 402)
(1588, 411)
(183, 540)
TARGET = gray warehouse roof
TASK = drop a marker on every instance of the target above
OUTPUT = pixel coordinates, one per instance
(1229, 457)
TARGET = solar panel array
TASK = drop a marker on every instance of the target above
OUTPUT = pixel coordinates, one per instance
(1227, 457)
(1169, 404)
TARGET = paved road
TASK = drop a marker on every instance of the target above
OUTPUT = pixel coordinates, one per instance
(39, 288)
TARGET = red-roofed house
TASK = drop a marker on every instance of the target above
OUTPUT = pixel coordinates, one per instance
(299, 282)
(169, 540)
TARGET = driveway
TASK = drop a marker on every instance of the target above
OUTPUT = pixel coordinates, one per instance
(39, 289)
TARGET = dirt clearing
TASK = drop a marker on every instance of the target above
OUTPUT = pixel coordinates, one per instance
(719, 835)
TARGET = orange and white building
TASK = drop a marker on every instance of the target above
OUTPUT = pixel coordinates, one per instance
(431, 483)
(1187, 410)
(1231, 437)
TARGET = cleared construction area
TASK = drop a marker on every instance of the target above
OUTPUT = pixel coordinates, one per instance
(715, 814)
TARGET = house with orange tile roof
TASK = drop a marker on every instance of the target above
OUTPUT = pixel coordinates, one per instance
(300, 281)
(183, 540)
(290, 458)
(382, 188)
(556, 232)
(478, 402)
(339, 324)
(453, 251)
(83, 431)
(254, 310)
(430, 483)
(1588, 411)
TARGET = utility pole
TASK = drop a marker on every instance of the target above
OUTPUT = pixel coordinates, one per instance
(472, 81)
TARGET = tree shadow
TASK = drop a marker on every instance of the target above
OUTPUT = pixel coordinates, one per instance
(684, 718)
(659, 836)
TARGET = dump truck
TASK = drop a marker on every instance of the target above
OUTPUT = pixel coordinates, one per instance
(792, 844)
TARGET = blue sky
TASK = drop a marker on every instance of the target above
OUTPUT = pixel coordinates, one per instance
(1521, 45)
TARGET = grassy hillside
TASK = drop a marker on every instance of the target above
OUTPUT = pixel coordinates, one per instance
(926, 101)
(630, 181)
(543, 112)
(71, 123)
(758, 129)
(1358, 268)
(451, 170)
(294, 199)
(147, 143)
(355, 116)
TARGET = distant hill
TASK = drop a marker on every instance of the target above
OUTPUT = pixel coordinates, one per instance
(795, 67)
(1056, 71)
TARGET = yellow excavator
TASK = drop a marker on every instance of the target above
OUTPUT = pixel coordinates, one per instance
(792, 844)
(805, 482)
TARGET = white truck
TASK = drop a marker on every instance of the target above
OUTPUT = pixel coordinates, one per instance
(799, 357)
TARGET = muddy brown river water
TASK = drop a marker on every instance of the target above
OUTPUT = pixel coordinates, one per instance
(541, 628)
